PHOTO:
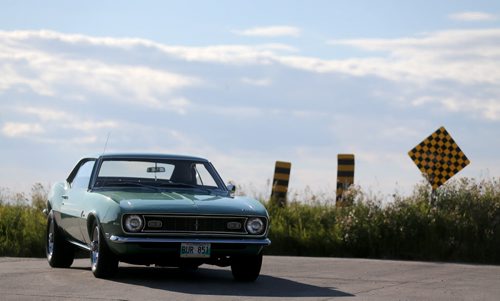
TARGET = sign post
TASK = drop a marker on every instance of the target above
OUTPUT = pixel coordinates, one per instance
(345, 176)
(280, 183)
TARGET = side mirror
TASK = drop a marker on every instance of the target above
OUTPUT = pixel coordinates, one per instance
(232, 189)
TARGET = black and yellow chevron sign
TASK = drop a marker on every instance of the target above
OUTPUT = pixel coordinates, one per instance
(280, 182)
(439, 157)
(345, 175)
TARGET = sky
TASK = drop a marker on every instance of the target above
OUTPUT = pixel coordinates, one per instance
(246, 83)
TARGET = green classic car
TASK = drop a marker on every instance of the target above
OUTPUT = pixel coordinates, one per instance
(145, 209)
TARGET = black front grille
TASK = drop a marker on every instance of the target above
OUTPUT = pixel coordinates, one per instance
(194, 224)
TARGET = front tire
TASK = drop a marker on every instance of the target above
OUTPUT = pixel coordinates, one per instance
(246, 268)
(60, 253)
(104, 262)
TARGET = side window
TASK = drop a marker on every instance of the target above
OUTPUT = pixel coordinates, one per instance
(203, 177)
(82, 178)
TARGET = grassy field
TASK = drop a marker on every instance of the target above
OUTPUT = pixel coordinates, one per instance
(462, 223)
(22, 223)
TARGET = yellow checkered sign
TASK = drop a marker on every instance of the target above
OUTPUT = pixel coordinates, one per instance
(439, 157)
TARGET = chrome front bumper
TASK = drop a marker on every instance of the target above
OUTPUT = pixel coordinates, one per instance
(254, 242)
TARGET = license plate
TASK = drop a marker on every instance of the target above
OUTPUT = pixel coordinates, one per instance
(195, 250)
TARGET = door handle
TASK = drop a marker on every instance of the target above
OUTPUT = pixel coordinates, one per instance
(64, 197)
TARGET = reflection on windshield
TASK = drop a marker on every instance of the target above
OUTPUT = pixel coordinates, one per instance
(158, 175)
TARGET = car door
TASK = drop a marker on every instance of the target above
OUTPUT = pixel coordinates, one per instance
(74, 200)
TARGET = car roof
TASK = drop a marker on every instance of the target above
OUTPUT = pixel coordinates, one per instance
(151, 156)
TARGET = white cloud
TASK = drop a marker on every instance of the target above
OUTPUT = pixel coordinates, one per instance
(134, 84)
(261, 82)
(441, 61)
(243, 112)
(231, 54)
(76, 141)
(472, 16)
(179, 105)
(83, 140)
(308, 114)
(46, 114)
(488, 108)
(53, 126)
(461, 55)
(228, 54)
(434, 41)
(270, 31)
(467, 57)
(92, 125)
(16, 129)
(65, 119)
(47, 71)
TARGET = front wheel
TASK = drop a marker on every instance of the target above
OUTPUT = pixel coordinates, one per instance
(60, 253)
(246, 268)
(103, 261)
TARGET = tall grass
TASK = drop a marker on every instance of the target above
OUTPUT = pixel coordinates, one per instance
(21, 231)
(461, 224)
(22, 223)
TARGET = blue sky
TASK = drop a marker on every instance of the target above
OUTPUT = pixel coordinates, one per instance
(248, 83)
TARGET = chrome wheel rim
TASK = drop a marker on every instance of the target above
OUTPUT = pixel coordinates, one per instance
(94, 248)
(50, 239)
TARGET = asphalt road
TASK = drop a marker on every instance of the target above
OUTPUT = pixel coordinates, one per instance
(281, 278)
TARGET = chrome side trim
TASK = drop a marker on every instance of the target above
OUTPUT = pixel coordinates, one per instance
(259, 242)
(80, 245)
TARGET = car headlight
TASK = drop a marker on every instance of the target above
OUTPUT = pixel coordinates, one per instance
(255, 225)
(133, 223)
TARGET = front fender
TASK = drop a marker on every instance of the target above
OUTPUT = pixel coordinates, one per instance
(91, 218)
(106, 213)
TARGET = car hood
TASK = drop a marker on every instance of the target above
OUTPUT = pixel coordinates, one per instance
(184, 203)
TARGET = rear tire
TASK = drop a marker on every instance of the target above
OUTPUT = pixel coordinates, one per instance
(246, 268)
(60, 253)
(104, 262)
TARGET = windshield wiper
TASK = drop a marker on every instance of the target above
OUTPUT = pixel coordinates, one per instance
(185, 185)
(126, 183)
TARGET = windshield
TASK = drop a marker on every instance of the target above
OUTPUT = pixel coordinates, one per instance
(157, 174)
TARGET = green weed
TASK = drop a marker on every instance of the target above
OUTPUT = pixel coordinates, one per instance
(462, 223)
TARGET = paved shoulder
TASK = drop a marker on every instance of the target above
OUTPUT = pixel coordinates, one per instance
(281, 278)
